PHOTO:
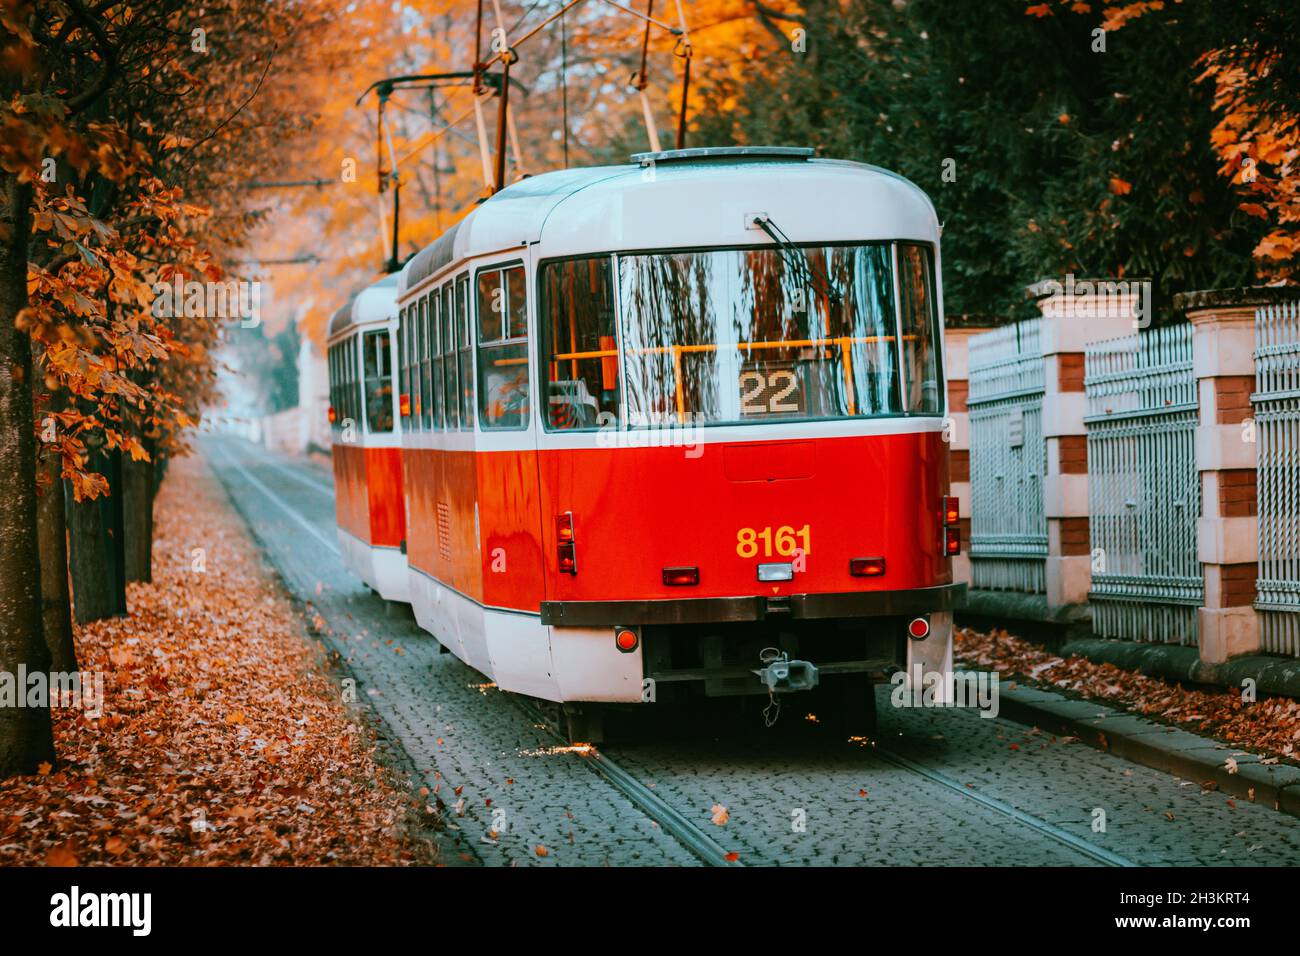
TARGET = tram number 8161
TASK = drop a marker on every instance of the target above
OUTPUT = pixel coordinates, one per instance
(784, 542)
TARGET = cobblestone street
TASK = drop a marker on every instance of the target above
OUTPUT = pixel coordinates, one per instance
(798, 796)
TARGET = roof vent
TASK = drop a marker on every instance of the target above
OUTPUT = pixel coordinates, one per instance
(724, 154)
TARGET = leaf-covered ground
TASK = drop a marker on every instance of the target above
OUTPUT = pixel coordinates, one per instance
(1268, 726)
(223, 740)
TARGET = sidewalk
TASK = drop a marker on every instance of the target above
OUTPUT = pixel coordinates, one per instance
(1217, 740)
(223, 739)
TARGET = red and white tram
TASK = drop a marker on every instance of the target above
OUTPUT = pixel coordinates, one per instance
(366, 438)
(677, 428)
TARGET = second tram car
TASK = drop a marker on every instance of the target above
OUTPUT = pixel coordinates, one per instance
(675, 428)
(366, 435)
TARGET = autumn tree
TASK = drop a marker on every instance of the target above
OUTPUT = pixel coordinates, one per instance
(124, 128)
(1049, 143)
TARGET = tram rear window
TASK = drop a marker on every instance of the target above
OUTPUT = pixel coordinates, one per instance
(765, 334)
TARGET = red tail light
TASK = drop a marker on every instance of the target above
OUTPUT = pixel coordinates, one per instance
(866, 567)
(568, 559)
(332, 415)
(681, 577)
(918, 628)
(404, 406)
(566, 551)
(951, 510)
(626, 640)
(952, 541)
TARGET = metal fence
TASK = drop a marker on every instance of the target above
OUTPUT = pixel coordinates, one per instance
(1144, 492)
(1008, 459)
(1277, 422)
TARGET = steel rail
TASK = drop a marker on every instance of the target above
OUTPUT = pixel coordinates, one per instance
(670, 819)
(1078, 844)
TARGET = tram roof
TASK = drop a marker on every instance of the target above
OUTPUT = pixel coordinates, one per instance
(683, 199)
(372, 303)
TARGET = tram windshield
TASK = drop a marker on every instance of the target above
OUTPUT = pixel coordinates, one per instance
(742, 335)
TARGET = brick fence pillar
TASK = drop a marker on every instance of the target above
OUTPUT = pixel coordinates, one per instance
(1072, 318)
(957, 333)
(1227, 534)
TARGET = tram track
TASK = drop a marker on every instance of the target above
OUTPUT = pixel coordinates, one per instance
(1042, 827)
(671, 820)
(985, 812)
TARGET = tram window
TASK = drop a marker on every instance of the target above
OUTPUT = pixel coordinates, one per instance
(406, 369)
(343, 382)
(339, 386)
(378, 370)
(918, 311)
(579, 342)
(436, 402)
(491, 307)
(503, 348)
(422, 363)
(759, 334)
(417, 400)
(429, 416)
(337, 390)
(450, 386)
(465, 341)
(354, 383)
(333, 377)
(401, 360)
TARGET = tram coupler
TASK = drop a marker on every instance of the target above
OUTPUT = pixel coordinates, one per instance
(782, 675)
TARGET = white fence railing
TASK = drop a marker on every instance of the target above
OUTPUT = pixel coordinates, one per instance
(1008, 546)
(1277, 421)
(1144, 492)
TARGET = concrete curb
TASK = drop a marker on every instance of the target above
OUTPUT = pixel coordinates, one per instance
(1169, 749)
(1272, 675)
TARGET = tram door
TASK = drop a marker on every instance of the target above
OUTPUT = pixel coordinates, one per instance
(509, 505)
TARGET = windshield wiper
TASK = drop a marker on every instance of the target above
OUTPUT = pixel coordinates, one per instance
(796, 260)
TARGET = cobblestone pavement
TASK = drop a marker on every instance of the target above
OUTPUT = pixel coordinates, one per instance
(800, 796)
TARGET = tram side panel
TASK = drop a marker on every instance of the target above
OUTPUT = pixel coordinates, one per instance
(350, 500)
(387, 522)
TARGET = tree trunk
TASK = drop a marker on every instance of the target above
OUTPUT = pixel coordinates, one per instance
(115, 523)
(56, 606)
(26, 735)
(94, 565)
(137, 489)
